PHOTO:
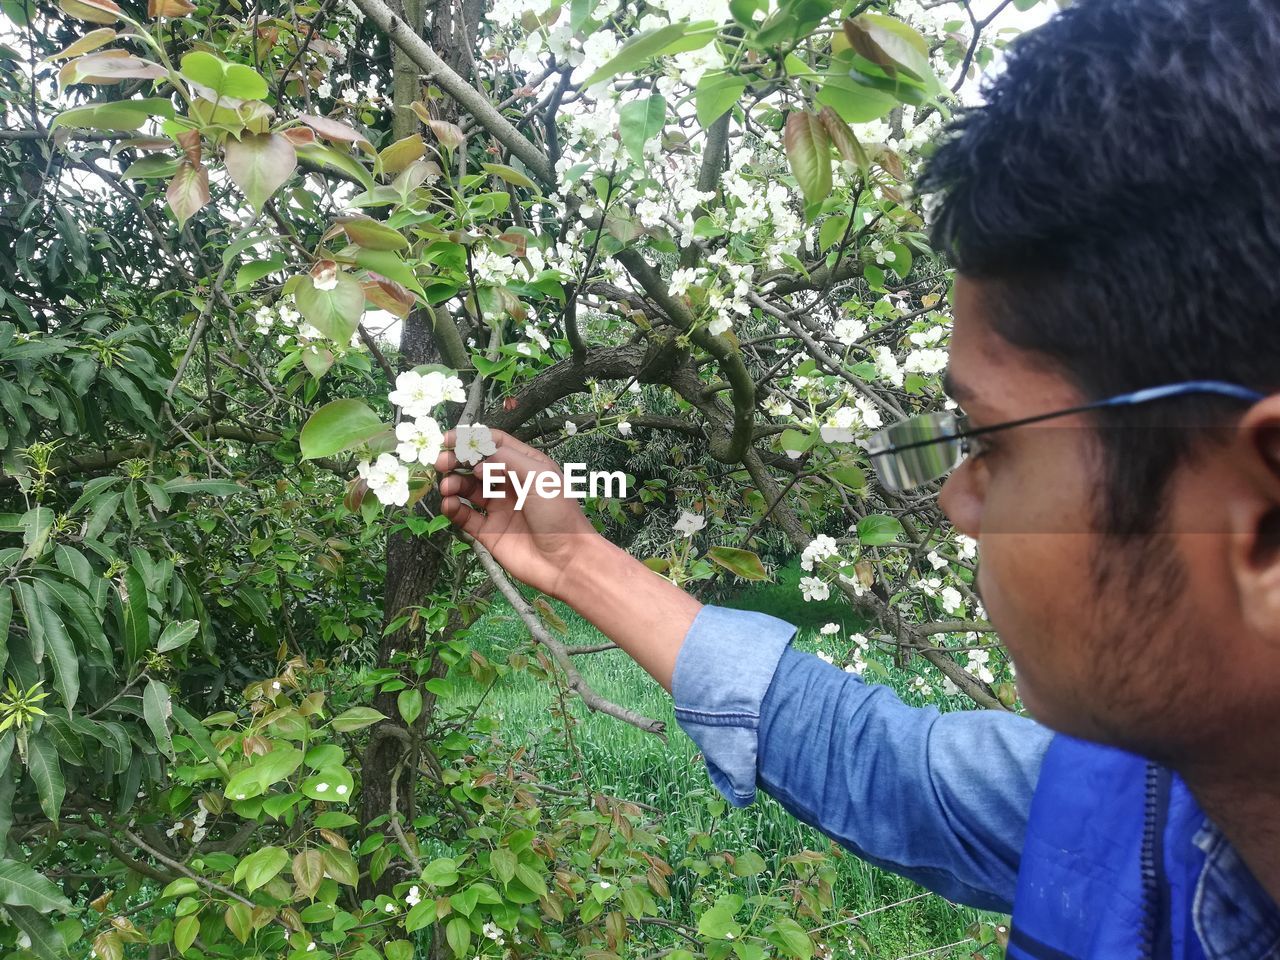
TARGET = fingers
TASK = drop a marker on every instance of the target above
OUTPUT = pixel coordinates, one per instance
(462, 515)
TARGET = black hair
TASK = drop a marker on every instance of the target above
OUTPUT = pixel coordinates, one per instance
(1118, 193)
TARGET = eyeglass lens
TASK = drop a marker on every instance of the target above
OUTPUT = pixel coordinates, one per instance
(939, 450)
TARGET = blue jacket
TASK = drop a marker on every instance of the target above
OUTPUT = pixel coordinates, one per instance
(1109, 864)
(1097, 853)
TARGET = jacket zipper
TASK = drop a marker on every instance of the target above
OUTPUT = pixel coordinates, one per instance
(1155, 937)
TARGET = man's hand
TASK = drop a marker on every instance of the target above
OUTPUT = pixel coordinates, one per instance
(539, 544)
(551, 546)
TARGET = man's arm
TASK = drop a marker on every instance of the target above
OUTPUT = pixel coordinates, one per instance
(942, 799)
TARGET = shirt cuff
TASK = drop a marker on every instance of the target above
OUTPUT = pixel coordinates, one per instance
(722, 674)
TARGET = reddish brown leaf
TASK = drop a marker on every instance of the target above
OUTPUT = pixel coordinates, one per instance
(333, 129)
(188, 191)
(169, 8)
(299, 136)
(94, 11)
(189, 141)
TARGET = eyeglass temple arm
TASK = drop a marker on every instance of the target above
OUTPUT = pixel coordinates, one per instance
(1125, 399)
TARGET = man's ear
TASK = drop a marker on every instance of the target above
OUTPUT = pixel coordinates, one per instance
(1255, 540)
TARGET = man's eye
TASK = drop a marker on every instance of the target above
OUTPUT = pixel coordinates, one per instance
(976, 447)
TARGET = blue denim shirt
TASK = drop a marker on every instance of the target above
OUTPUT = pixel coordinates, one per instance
(940, 798)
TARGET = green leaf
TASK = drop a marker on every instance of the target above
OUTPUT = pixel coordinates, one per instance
(510, 174)
(422, 915)
(335, 313)
(398, 949)
(46, 774)
(791, 937)
(748, 864)
(357, 718)
(62, 653)
(260, 866)
(177, 635)
(718, 923)
(259, 163)
(47, 942)
(308, 871)
(118, 115)
(332, 785)
(20, 886)
(503, 862)
(338, 426)
(196, 731)
(853, 101)
(184, 932)
(372, 234)
(318, 155)
(239, 920)
(443, 872)
(879, 529)
(251, 273)
(741, 563)
(671, 39)
(217, 80)
(832, 231)
(717, 92)
(795, 441)
(137, 624)
(218, 488)
(531, 878)
(808, 149)
(890, 44)
(156, 710)
(458, 933)
(409, 703)
(639, 122)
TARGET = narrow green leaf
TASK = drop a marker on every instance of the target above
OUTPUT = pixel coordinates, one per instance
(157, 708)
(177, 635)
(673, 38)
(741, 563)
(20, 886)
(46, 774)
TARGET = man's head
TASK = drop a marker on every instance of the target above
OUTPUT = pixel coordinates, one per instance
(1114, 212)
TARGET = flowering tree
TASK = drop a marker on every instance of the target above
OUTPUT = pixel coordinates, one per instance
(673, 225)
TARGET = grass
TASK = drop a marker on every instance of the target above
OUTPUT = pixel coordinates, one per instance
(620, 760)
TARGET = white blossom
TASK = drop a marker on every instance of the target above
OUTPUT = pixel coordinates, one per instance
(387, 478)
(830, 628)
(475, 442)
(570, 428)
(413, 897)
(420, 440)
(822, 547)
(417, 394)
(689, 524)
(624, 428)
(814, 589)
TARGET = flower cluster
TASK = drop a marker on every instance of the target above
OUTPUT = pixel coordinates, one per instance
(419, 438)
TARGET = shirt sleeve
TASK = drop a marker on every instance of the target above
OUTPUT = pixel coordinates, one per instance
(942, 799)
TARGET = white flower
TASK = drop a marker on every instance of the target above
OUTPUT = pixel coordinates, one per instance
(324, 89)
(321, 787)
(926, 361)
(341, 789)
(814, 589)
(239, 796)
(605, 885)
(952, 602)
(681, 281)
(851, 668)
(390, 908)
(492, 930)
(635, 387)
(570, 427)
(624, 428)
(840, 426)
(849, 330)
(822, 547)
(777, 405)
(350, 96)
(870, 414)
(825, 657)
(829, 628)
(327, 280)
(418, 394)
(275, 684)
(689, 524)
(475, 442)
(311, 946)
(949, 688)
(413, 897)
(388, 478)
(537, 336)
(936, 561)
(420, 440)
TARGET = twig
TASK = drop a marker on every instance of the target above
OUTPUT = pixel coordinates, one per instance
(579, 686)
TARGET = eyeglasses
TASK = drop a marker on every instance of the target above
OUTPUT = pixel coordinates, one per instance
(918, 450)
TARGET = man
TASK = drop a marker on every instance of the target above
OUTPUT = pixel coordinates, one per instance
(1114, 215)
